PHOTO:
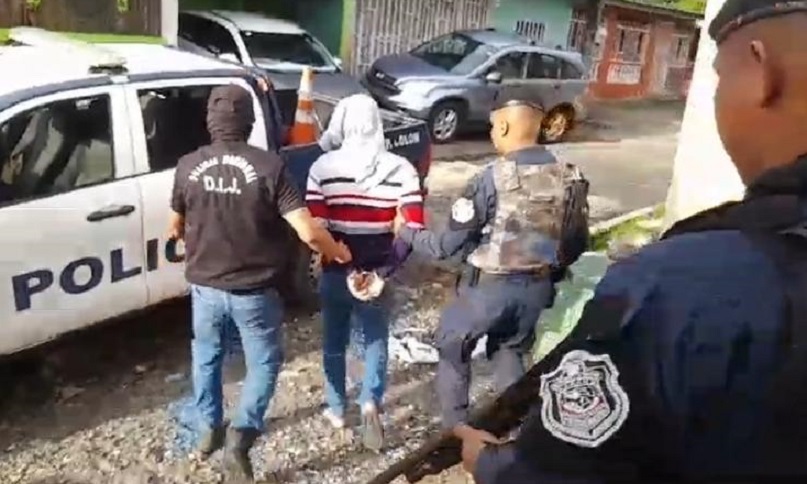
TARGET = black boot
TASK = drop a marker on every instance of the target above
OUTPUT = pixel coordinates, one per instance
(237, 467)
(211, 441)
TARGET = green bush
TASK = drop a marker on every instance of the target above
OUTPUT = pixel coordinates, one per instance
(627, 229)
(599, 242)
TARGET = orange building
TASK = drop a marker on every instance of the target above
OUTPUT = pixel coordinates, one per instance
(643, 51)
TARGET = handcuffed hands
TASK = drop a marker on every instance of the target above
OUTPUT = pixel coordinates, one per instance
(365, 286)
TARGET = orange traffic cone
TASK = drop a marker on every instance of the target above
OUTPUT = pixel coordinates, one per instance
(304, 130)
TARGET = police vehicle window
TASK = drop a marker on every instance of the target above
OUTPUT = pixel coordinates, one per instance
(166, 109)
(56, 148)
(511, 66)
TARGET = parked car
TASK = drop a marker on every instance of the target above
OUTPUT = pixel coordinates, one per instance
(89, 141)
(279, 47)
(452, 81)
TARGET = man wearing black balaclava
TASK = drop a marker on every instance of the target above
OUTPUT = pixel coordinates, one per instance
(229, 201)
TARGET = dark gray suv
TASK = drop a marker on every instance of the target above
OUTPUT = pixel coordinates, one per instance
(452, 81)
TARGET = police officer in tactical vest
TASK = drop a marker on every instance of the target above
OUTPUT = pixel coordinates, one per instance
(229, 204)
(520, 222)
(690, 361)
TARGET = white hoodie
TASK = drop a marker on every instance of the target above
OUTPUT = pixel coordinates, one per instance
(356, 136)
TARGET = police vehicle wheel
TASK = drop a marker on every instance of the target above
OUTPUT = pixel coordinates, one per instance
(445, 121)
(555, 125)
(306, 278)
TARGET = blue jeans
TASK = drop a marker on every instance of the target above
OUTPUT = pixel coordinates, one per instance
(258, 316)
(338, 306)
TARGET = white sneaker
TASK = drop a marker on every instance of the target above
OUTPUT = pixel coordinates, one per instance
(336, 421)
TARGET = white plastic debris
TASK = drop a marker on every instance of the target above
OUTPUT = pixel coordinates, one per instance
(408, 349)
(481, 348)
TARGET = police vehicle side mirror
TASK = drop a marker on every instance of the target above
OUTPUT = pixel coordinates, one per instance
(493, 77)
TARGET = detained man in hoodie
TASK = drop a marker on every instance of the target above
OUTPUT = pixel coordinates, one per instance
(355, 191)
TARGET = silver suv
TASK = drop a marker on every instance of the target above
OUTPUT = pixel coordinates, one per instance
(452, 81)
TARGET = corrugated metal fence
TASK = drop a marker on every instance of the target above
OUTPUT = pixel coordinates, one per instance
(391, 26)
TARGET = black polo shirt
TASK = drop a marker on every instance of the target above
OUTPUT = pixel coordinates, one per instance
(233, 197)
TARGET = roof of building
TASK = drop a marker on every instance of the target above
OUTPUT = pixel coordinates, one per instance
(253, 21)
(26, 66)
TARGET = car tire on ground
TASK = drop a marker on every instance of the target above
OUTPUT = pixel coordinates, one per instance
(305, 278)
(556, 124)
(445, 121)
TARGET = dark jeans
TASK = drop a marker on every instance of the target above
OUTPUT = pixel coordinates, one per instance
(258, 317)
(506, 309)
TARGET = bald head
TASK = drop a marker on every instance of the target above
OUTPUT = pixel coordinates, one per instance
(773, 51)
(515, 127)
(761, 98)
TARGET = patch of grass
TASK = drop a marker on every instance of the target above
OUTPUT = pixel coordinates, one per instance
(101, 38)
(629, 228)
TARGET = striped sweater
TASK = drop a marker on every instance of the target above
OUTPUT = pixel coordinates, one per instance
(363, 218)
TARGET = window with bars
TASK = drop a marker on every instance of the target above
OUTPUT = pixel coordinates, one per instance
(680, 50)
(531, 29)
(631, 43)
(577, 33)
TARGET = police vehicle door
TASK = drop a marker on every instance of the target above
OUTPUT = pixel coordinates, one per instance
(71, 252)
(159, 108)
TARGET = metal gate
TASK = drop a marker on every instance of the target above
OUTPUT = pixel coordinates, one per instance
(391, 26)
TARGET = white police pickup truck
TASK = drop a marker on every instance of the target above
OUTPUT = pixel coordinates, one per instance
(89, 137)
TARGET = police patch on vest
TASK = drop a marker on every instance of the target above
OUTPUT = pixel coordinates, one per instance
(463, 210)
(583, 403)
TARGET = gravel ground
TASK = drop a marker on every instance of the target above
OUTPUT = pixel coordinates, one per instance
(95, 408)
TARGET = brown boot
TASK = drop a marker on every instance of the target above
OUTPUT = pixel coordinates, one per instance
(237, 466)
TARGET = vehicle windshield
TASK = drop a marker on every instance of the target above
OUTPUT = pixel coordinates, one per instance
(456, 53)
(287, 52)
